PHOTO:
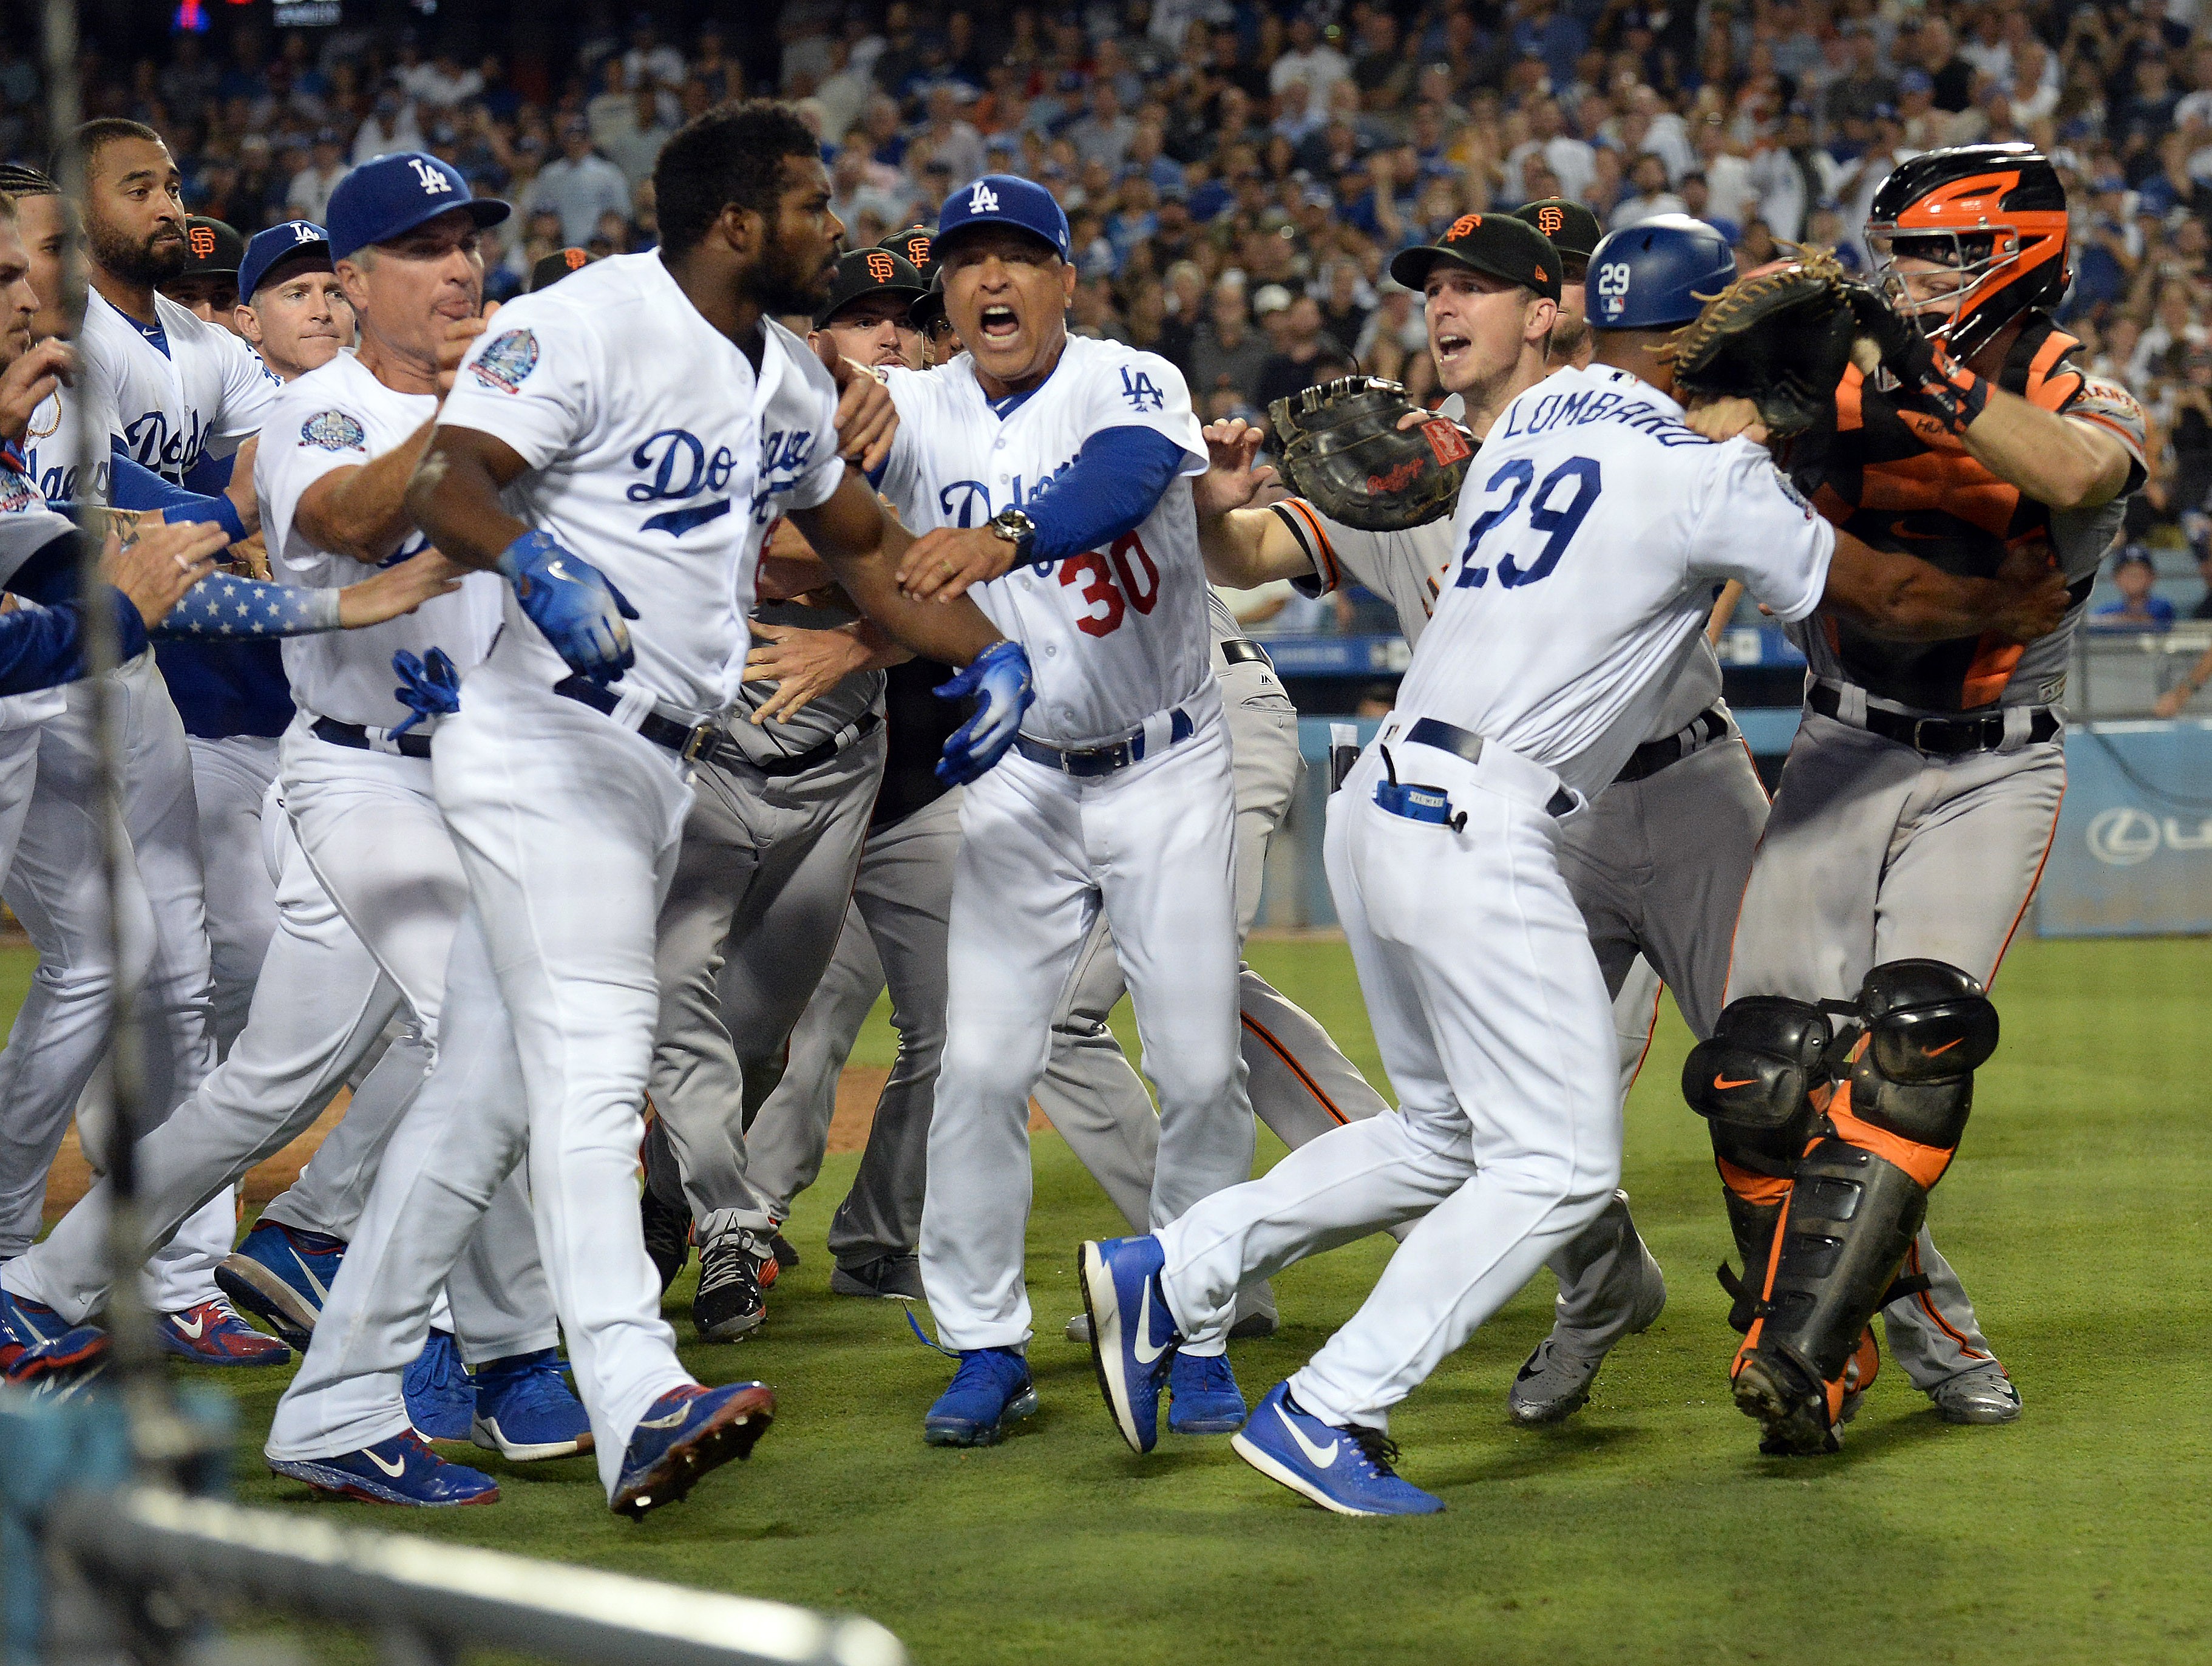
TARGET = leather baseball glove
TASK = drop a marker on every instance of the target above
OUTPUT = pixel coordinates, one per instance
(1342, 450)
(1781, 337)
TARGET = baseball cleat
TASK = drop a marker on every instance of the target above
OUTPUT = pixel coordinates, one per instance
(888, 1278)
(991, 1390)
(1077, 1329)
(1794, 1418)
(786, 1252)
(667, 1237)
(525, 1409)
(400, 1471)
(24, 1324)
(60, 1365)
(212, 1334)
(1554, 1381)
(1346, 1469)
(683, 1435)
(282, 1275)
(1983, 1395)
(441, 1396)
(734, 1267)
(1132, 1335)
(1202, 1396)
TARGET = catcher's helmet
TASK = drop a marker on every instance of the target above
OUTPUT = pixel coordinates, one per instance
(1996, 212)
(1657, 274)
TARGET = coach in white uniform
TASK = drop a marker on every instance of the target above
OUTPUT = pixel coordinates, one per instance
(1590, 536)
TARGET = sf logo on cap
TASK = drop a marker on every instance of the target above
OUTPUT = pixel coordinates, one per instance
(433, 181)
(201, 240)
(1550, 221)
(917, 250)
(880, 270)
(982, 200)
(1461, 227)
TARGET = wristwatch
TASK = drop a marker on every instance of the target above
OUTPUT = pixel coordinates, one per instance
(1017, 529)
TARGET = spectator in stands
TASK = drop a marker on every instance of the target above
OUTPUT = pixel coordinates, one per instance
(1305, 350)
(1649, 195)
(579, 185)
(635, 146)
(1228, 352)
(308, 195)
(2134, 573)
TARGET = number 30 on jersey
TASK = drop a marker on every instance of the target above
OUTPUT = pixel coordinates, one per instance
(1106, 602)
(1556, 507)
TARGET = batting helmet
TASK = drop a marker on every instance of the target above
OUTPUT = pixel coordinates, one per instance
(1994, 213)
(1657, 274)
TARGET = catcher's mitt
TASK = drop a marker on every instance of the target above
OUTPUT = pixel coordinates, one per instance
(1780, 337)
(1341, 449)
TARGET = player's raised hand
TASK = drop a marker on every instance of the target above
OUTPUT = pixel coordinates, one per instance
(30, 382)
(397, 589)
(576, 606)
(1000, 675)
(1229, 481)
(2037, 600)
(160, 563)
(453, 345)
(867, 418)
(945, 562)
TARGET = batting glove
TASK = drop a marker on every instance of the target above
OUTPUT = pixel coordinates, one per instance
(574, 603)
(1955, 394)
(1000, 675)
(429, 687)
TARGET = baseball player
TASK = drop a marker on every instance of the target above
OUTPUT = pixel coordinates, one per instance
(1526, 696)
(209, 287)
(562, 777)
(1920, 795)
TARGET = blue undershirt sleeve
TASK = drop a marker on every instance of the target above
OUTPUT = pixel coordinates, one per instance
(131, 485)
(1117, 479)
(44, 648)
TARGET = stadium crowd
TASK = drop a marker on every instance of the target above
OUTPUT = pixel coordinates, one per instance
(1236, 174)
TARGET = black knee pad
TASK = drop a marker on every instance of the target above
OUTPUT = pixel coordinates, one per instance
(1926, 1021)
(1852, 1216)
(1755, 1075)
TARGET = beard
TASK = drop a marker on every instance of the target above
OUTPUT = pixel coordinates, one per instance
(138, 262)
(1569, 338)
(782, 283)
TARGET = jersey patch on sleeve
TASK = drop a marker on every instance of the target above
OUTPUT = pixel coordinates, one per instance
(2112, 407)
(333, 431)
(506, 363)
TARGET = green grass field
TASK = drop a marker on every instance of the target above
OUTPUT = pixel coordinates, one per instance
(1648, 1528)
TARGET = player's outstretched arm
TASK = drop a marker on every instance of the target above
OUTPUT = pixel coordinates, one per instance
(1905, 598)
(864, 547)
(1244, 547)
(362, 512)
(807, 662)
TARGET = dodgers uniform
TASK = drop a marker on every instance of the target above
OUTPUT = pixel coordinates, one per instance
(1526, 695)
(1118, 796)
(568, 821)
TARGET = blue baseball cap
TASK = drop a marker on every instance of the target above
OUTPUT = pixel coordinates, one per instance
(279, 242)
(392, 195)
(1003, 199)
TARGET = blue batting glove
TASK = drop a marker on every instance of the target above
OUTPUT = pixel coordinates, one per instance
(1001, 674)
(576, 606)
(429, 687)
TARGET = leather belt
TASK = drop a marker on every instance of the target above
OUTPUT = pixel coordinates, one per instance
(708, 740)
(1236, 651)
(1102, 760)
(1942, 737)
(1653, 756)
(1467, 745)
(364, 740)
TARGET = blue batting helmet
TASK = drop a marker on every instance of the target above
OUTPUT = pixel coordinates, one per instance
(1657, 274)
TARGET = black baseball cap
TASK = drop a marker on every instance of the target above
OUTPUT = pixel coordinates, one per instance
(1573, 229)
(918, 245)
(863, 272)
(212, 248)
(550, 269)
(1497, 245)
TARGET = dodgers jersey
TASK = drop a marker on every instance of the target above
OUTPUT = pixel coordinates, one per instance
(656, 452)
(339, 416)
(26, 527)
(179, 391)
(1587, 539)
(1115, 635)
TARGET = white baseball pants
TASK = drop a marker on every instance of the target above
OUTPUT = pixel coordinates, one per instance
(231, 779)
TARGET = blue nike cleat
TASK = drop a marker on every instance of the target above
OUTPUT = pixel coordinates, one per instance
(683, 1435)
(1344, 1470)
(59, 1366)
(282, 1275)
(441, 1395)
(24, 1324)
(525, 1410)
(212, 1334)
(991, 1388)
(1202, 1396)
(1133, 1334)
(400, 1471)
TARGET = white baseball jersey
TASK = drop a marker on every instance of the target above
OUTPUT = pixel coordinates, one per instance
(1588, 538)
(53, 448)
(1115, 635)
(339, 418)
(656, 453)
(176, 392)
(1409, 570)
(26, 527)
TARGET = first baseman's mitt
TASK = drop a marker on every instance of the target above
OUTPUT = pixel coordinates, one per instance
(1780, 337)
(1342, 449)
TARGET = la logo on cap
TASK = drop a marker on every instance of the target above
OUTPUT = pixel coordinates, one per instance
(982, 200)
(433, 180)
(302, 232)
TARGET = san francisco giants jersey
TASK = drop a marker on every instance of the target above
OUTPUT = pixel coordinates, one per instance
(1588, 538)
(657, 454)
(340, 417)
(1114, 634)
(177, 390)
(1409, 570)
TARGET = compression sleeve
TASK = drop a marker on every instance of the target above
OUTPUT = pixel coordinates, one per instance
(44, 648)
(224, 608)
(1117, 481)
(131, 485)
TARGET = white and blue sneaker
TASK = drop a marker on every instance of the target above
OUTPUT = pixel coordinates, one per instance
(991, 1390)
(525, 1409)
(24, 1324)
(441, 1395)
(1203, 1398)
(683, 1435)
(400, 1471)
(1132, 1335)
(1344, 1470)
(282, 1275)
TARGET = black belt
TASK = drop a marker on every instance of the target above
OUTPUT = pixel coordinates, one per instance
(1944, 736)
(1465, 744)
(1653, 756)
(355, 736)
(1238, 652)
(707, 740)
(1102, 760)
